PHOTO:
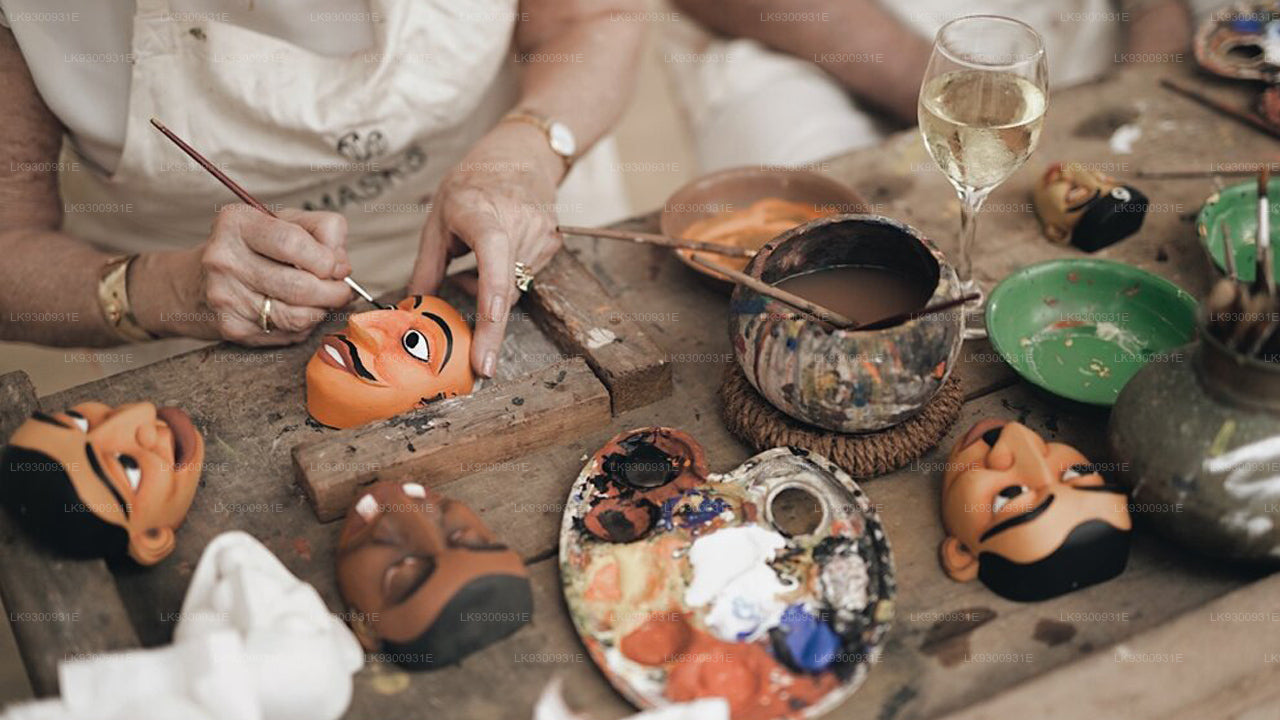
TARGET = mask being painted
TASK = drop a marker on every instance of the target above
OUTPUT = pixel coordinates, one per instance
(389, 361)
(98, 481)
(1087, 208)
(427, 581)
(1031, 519)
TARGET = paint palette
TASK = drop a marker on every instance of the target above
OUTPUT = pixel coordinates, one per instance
(771, 585)
(1235, 210)
(1080, 328)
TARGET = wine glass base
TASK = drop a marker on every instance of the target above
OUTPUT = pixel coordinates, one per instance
(975, 311)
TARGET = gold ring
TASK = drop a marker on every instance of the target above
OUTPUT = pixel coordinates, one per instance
(264, 315)
(524, 277)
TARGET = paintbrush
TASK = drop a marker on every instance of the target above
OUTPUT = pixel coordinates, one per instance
(248, 199)
(1265, 279)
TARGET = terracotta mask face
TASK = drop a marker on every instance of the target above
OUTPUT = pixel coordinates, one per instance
(1031, 519)
(1086, 208)
(389, 361)
(97, 481)
(427, 581)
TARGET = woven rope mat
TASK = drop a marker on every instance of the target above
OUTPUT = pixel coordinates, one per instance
(761, 425)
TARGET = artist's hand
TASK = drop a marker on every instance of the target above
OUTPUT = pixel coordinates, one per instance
(499, 202)
(298, 261)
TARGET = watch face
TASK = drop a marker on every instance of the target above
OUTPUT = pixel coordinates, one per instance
(562, 140)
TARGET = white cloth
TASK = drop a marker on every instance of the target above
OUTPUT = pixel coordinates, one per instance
(252, 643)
(358, 106)
(749, 105)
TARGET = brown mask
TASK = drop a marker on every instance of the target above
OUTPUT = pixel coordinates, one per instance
(1031, 519)
(1087, 208)
(100, 481)
(428, 583)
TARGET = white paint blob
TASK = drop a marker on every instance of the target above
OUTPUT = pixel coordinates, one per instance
(731, 573)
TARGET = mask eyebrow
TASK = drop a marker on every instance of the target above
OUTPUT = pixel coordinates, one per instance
(102, 475)
(448, 336)
(1016, 520)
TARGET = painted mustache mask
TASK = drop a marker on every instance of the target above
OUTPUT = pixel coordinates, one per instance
(428, 583)
(389, 361)
(101, 481)
(1031, 519)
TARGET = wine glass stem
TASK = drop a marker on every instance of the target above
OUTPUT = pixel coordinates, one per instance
(970, 205)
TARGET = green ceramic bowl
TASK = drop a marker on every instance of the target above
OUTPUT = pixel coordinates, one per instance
(1080, 328)
(1237, 206)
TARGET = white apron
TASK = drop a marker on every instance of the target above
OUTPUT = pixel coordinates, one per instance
(368, 135)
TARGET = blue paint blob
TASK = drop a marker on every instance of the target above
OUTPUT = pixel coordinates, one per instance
(810, 643)
(683, 511)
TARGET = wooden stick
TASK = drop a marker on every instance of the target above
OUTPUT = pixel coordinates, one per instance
(1195, 173)
(1229, 254)
(1226, 109)
(823, 314)
(1265, 278)
(930, 310)
(663, 240)
(248, 199)
(795, 301)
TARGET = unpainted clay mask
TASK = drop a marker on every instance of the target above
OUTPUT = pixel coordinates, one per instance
(428, 583)
(1086, 208)
(389, 361)
(101, 481)
(1031, 519)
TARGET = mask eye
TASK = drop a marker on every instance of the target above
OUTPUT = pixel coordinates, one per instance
(1076, 471)
(415, 343)
(79, 420)
(132, 472)
(1005, 495)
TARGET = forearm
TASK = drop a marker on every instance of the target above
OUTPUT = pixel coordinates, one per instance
(50, 282)
(872, 53)
(578, 64)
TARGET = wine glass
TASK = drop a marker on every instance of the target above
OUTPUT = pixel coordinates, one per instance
(982, 105)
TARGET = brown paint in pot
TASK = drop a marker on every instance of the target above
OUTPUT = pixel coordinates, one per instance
(860, 293)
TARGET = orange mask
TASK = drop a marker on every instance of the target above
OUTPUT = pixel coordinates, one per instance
(389, 361)
(96, 480)
(1031, 519)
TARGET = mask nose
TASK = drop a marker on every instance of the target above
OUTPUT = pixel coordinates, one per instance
(365, 328)
(136, 419)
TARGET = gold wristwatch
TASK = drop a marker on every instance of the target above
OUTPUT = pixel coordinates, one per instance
(559, 136)
(113, 299)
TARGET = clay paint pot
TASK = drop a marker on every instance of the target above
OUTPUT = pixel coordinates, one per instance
(1197, 439)
(736, 189)
(849, 381)
(1236, 207)
(1081, 328)
(771, 585)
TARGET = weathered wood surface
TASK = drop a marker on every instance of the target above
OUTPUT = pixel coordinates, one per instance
(74, 608)
(454, 437)
(578, 314)
(953, 646)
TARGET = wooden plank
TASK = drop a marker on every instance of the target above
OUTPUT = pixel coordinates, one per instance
(57, 608)
(1218, 660)
(576, 312)
(453, 437)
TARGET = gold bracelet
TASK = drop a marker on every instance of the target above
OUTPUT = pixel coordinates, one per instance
(113, 299)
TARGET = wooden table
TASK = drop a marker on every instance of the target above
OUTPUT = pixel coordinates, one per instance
(1168, 638)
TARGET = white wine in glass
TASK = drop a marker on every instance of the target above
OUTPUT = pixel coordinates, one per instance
(982, 105)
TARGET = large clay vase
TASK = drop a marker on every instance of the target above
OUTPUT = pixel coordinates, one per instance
(1196, 436)
(849, 381)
